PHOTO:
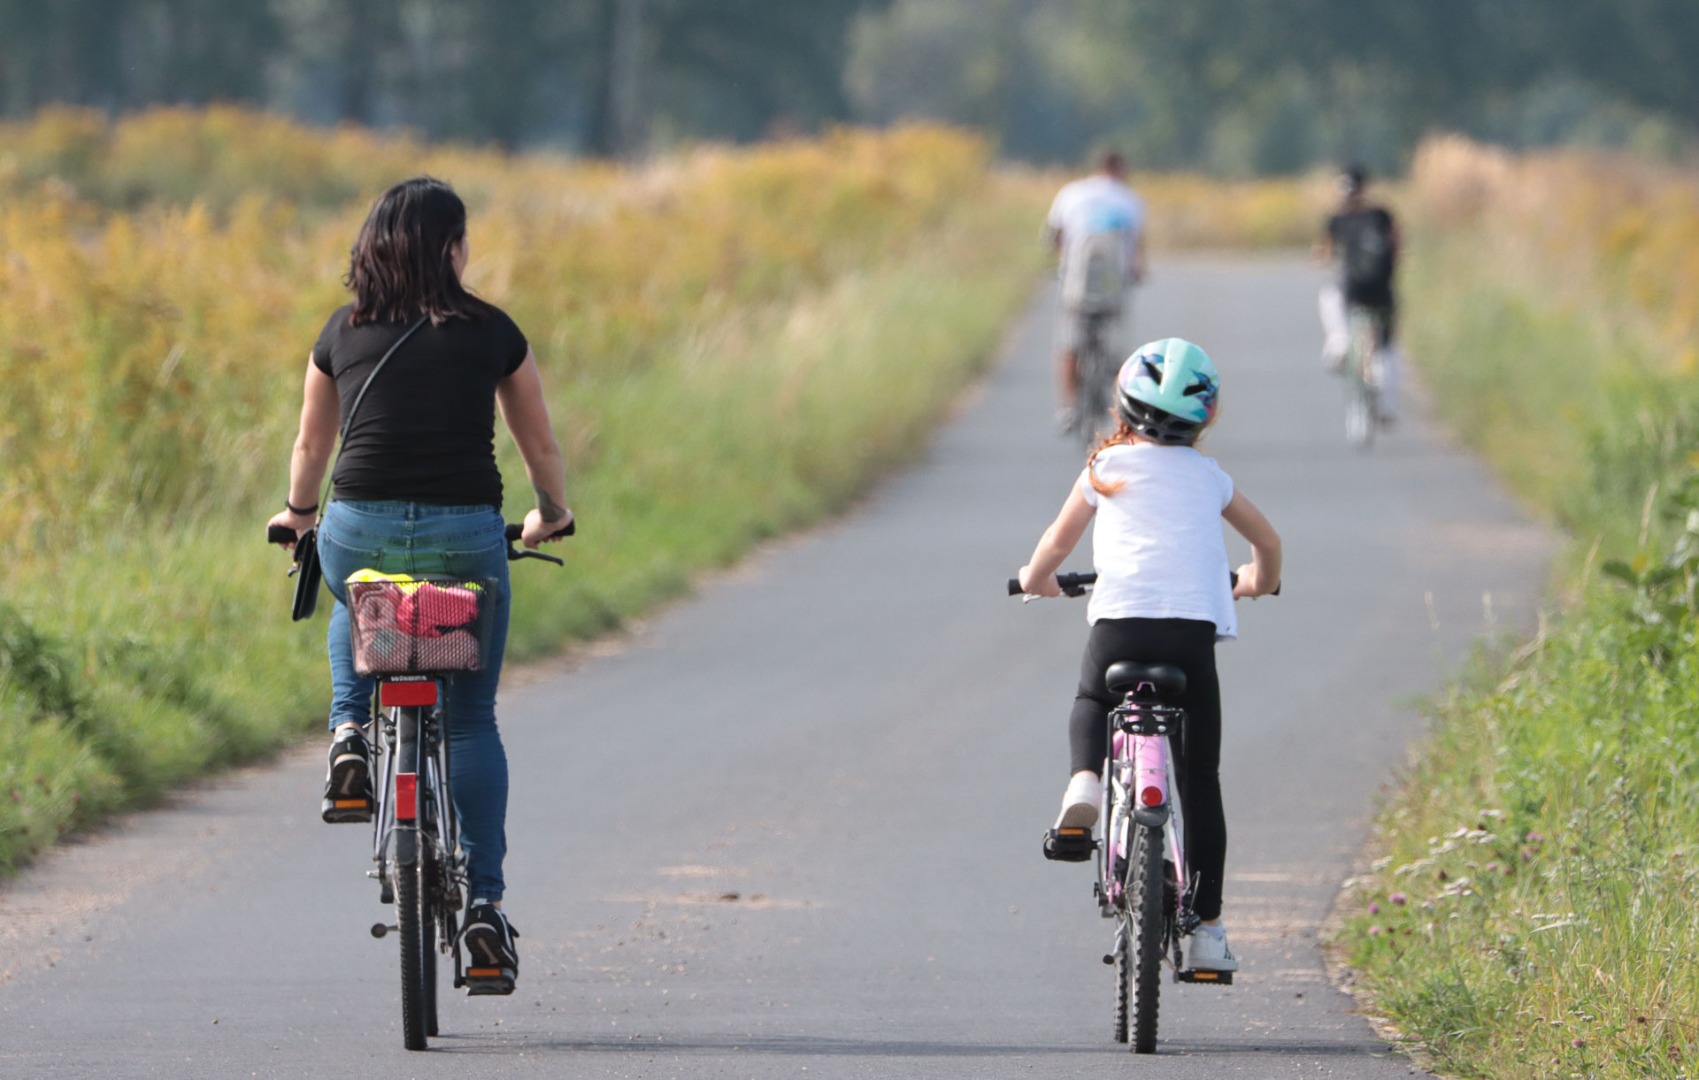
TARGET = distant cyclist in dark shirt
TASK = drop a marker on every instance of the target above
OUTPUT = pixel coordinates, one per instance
(417, 491)
(1363, 238)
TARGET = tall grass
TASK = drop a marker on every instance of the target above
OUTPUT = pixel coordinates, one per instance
(1534, 912)
(735, 344)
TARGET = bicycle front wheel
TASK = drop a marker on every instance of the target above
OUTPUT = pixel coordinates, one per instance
(1139, 959)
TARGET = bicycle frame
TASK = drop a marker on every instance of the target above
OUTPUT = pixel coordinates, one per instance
(416, 834)
(1142, 790)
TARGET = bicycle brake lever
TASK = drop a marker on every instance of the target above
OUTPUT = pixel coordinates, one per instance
(514, 555)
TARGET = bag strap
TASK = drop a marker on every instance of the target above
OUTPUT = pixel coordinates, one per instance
(348, 421)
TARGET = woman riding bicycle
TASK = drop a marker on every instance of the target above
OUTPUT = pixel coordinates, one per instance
(1162, 595)
(417, 491)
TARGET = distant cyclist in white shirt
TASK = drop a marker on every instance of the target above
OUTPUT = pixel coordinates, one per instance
(1096, 227)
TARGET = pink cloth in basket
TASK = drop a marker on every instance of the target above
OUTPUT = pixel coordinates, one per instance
(432, 610)
(456, 650)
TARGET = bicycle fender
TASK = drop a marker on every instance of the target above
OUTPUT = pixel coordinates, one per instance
(406, 840)
(1152, 816)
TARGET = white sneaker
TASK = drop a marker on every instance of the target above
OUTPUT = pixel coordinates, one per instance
(1081, 802)
(1206, 950)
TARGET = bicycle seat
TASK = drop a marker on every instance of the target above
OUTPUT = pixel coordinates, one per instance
(1125, 676)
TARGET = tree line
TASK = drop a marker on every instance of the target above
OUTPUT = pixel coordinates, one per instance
(1227, 85)
(600, 76)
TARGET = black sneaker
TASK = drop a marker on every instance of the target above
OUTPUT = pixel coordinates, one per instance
(348, 782)
(492, 962)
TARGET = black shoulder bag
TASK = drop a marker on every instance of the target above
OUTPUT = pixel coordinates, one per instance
(308, 573)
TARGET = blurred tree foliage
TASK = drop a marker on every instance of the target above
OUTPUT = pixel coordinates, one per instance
(1259, 86)
(1234, 86)
(599, 75)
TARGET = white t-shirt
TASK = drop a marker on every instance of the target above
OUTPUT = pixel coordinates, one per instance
(1157, 543)
(1097, 203)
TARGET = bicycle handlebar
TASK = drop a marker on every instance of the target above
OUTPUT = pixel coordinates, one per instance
(1076, 584)
(1072, 584)
(514, 531)
(283, 534)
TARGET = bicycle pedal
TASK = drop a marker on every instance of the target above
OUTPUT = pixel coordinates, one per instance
(1214, 978)
(488, 982)
(1071, 844)
(340, 811)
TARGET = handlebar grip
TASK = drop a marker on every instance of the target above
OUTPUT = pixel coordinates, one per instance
(1070, 584)
(279, 534)
(514, 530)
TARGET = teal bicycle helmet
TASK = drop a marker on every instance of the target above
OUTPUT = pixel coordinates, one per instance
(1167, 391)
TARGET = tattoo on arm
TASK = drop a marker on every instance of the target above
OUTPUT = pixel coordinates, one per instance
(546, 505)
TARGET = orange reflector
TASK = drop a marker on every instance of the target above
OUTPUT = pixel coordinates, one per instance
(484, 973)
(423, 692)
(345, 804)
(1151, 796)
(406, 796)
(1072, 832)
(1205, 976)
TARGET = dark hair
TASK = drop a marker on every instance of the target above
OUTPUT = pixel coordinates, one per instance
(1112, 161)
(402, 263)
(1355, 178)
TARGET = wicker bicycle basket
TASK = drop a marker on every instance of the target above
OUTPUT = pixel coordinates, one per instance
(420, 627)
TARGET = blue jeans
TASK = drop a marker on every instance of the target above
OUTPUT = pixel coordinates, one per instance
(454, 541)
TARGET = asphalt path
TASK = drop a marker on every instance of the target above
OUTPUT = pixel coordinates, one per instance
(792, 826)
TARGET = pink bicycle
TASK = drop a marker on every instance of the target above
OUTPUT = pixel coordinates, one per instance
(1142, 879)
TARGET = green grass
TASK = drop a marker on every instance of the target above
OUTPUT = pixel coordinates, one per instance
(142, 658)
(1535, 910)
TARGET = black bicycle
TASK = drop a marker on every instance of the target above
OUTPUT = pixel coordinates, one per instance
(409, 634)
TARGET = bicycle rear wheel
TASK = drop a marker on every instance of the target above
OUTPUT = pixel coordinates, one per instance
(1096, 379)
(414, 913)
(1362, 389)
(1359, 413)
(1139, 959)
(431, 873)
(412, 916)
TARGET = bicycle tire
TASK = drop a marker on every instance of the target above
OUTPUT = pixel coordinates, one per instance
(1359, 414)
(1146, 928)
(1362, 395)
(411, 915)
(1093, 395)
(431, 874)
(412, 900)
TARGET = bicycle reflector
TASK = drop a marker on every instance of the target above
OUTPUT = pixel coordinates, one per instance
(406, 796)
(419, 692)
(1151, 796)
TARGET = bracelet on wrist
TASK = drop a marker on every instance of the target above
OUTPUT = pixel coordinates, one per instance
(293, 509)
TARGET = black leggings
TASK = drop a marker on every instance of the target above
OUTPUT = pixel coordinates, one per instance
(1189, 645)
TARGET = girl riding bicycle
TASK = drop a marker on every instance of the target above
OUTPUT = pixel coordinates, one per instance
(1162, 595)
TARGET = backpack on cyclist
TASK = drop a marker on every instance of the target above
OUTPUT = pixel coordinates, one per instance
(1366, 250)
(1094, 275)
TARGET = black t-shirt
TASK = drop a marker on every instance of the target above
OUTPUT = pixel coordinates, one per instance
(425, 431)
(1363, 241)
